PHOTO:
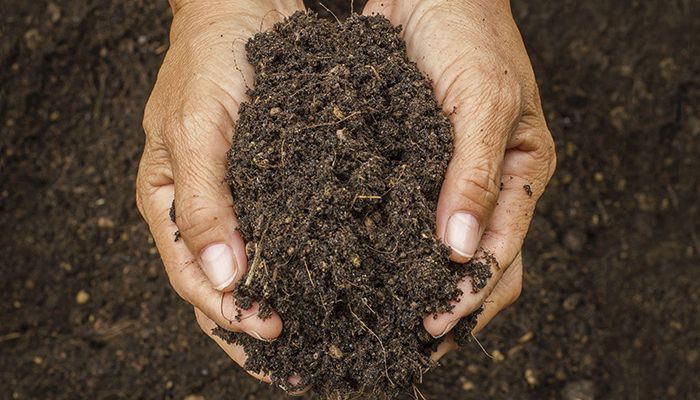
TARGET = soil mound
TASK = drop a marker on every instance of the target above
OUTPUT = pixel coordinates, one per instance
(335, 170)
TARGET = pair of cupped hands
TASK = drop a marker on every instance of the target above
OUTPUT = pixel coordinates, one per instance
(503, 152)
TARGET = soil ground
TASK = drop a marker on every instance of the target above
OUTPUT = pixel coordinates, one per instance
(612, 265)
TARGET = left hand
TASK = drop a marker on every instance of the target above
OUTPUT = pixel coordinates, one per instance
(503, 152)
(188, 122)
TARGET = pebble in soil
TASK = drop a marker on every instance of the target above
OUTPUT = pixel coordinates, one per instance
(335, 170)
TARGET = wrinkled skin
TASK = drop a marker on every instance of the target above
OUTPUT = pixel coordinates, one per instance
(474, 55)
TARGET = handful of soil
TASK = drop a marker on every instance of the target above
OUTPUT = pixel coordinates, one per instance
(335, 171)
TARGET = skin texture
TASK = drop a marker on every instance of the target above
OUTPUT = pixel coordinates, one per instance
(481, 74)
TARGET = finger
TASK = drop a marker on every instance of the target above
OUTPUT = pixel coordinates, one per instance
(237, 353)
(446, 346)
(203, 203)
(527, 168)
(484, 120)
(189, 281)
(503, 295)
(295, 381)
(234, 351)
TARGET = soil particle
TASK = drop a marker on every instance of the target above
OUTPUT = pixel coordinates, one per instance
(335, 170)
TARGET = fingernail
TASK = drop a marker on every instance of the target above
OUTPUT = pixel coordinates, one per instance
(448, 328)
(219, 265)
(462, 234)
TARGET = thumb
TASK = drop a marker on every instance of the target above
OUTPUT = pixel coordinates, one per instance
(204, 211)
(483, 119)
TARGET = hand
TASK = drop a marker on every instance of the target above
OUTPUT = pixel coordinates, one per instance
(189, 121)
(503, 152)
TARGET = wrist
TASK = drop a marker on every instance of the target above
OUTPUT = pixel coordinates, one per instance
(217, 7)
(244, 17)
(491, 6)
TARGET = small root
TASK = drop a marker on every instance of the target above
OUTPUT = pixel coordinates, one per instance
(375, 71)
(309, 274)
(256, 260)
(331, 12)
(482, 347)
(335, 122)
(418, 395)
(386, 366)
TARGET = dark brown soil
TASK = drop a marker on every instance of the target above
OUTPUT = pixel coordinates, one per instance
(336, 168)
(612, 268)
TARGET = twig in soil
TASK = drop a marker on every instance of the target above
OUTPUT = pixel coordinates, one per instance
(331, 12)
(282, 152)
(374, 70)
(403, 169)
(309, 274)
(364, 300)
(417, 393)
(482, 347)
(256, 259)
(335, 122)
(386, 367)
(364, 197)
(10, 336)
(114, 330)
(420, 371)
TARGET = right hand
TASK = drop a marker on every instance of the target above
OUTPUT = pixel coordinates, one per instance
(504, 154)
(189, 121)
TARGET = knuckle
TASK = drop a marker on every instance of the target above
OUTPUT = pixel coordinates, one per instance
(140, 186)
(183, 295)
(196, 218)
(139, 201)
(513, 281)
(545, 153)
(173, 269)
(201, 321)
(192, 127)
(141, 194)
(482, 91)
(506, 92)
(516, 289)
(479, 186)
(552, 153)
(437, 12)
(498, 89)
(149, 118)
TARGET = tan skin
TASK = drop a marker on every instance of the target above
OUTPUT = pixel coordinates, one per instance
(482, 77)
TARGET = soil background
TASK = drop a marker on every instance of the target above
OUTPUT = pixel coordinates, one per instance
(612, 262)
